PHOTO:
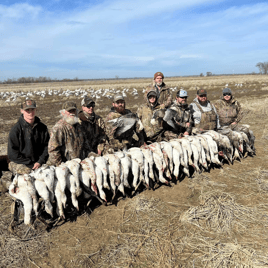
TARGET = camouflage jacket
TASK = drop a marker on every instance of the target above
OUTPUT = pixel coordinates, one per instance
(66, 143)
(125, 139)
(184, 115)
(228, 112)
(205, 117)
(164, 95)
(95, 132)
(145, 113)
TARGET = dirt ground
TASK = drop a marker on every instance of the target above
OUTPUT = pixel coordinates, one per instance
(176, 226)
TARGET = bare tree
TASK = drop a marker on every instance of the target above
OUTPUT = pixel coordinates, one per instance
(263, 67)
(209, 73)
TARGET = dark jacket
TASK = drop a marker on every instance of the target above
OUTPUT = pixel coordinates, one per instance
(94, 130)
(28, 145)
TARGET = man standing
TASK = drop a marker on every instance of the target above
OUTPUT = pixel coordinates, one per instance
(132, 134)
(163, 93)
(66, 137)
(27, 141)
(93, 127)
(183, 117)
(153, 127)
(204, 113)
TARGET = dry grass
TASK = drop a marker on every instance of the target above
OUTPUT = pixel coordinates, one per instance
(25, 245)
(229, 255)
(144, 238)
(219, 212)
(262, 181)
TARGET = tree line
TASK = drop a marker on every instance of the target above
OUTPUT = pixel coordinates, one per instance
(40, 79)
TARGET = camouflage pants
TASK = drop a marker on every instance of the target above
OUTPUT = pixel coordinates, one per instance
(19, 168)
(169, 135)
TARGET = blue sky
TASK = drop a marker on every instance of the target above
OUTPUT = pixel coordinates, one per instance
(103, 39)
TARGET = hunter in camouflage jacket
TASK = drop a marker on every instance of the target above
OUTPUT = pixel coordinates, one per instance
(164, 95)
(153, 128)
(228, 112)
(127, 139)
(95, 132)
(66, 143)
(184, 115)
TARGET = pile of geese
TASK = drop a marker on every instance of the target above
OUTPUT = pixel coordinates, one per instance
(150, 166)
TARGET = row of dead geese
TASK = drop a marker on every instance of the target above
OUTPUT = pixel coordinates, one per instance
(150, 164)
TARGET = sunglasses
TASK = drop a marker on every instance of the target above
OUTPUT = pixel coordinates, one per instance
(202, 96)
(91, 105)
(227, 94)
(183, 97)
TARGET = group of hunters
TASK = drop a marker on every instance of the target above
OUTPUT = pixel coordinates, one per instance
(77, 134)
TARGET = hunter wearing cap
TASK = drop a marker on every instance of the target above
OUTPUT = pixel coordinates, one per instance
(164, 95)
(66, 137)
(27, 141)
(204, 113)
(150, 116)
(230, 114)
(132, 137)
(93, 127)
(183, 117)
(228, 109)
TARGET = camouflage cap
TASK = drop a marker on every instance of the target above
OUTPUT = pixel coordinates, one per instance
(201, 91)
(87, 101)
(28, 104)
(158, 74)
(151, 93)
(227, 90)
(69, 105)
(118, 97)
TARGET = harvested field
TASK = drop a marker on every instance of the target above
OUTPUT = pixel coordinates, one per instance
(216, 219)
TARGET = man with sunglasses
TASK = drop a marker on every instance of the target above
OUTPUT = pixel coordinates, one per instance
(230, 114)
(66, 137)
(183, 116)
(93, 127)
(204, 113)
(228, 109)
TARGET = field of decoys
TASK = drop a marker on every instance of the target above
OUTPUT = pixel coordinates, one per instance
(169, 204)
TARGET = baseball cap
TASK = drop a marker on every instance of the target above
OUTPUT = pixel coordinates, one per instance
(28, 104)
(158, 74)
(86, 101)
(201, 91)
(151, 93)
(69, 105)
(118, 97)
(227, 90)
(182, 93)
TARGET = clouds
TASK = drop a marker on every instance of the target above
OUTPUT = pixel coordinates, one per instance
(129, 38)
(19, 11)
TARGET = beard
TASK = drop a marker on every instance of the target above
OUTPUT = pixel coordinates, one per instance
(203, 102)
(71, 119)
(120, 109)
